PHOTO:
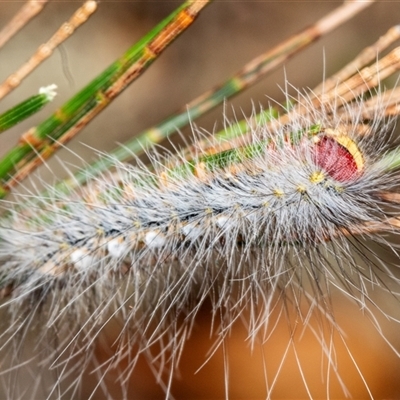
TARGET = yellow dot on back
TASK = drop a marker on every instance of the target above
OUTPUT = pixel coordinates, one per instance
(317, 177)
(338, 189)
(278, 193)
(64, 246)
(301, 189)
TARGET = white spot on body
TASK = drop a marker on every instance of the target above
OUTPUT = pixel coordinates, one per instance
(81, 259)
(117, 248)
(223, 222)
(192, 230)
(154, 239)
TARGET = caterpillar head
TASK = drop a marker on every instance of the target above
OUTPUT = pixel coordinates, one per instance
(338, 155)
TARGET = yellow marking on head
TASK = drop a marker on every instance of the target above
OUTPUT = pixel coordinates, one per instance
(343, 139)
(316, 139)
(317, 177)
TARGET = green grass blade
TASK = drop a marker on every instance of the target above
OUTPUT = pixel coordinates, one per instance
(391, 160)
(102, 90)
(27, 108)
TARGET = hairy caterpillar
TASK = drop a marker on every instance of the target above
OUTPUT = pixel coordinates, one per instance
(147, 256)
(275, 224)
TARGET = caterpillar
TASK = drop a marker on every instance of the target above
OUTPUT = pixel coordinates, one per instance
(276, 223)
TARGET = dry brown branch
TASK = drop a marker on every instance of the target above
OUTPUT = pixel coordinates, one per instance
(358, 84)
(24, 15)
(46, 50)
(366, 56)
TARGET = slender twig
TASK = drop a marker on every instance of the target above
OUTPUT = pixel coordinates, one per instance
(363, 81)
(368, 55)
(390, 99)
(46, 50)
(367, 78)
(29, 10)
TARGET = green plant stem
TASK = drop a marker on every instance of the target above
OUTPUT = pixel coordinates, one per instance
(87, 103)
(23, 110)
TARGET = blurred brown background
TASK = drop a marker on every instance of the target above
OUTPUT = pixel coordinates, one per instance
(226, 36)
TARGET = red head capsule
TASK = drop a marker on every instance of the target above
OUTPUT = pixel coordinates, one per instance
(339, 157)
